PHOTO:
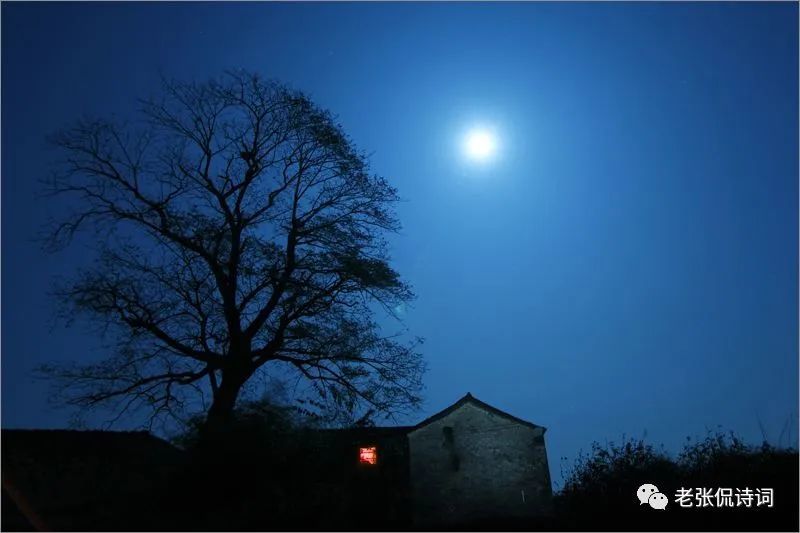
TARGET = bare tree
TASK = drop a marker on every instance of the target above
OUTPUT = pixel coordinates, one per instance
(240, 231)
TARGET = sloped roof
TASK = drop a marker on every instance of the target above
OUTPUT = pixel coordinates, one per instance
(469, 398)
(56, 473)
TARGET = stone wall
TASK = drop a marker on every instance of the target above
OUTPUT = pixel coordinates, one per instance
(473, 464)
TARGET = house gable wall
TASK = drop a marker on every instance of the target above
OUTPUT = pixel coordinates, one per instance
(472, 464)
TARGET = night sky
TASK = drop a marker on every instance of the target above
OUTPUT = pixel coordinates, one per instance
(625, 264)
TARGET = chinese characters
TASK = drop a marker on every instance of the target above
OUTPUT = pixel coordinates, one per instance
(724, 497)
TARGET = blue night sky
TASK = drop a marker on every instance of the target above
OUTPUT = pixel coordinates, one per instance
(627, 264)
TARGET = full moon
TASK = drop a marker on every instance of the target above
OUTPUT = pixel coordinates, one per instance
(480, 145)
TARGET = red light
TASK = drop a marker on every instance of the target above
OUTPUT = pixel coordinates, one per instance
(368, 456)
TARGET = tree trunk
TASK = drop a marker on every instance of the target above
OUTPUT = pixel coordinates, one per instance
(214, 462)
(220, 416)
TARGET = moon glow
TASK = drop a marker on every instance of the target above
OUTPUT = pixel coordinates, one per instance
(480, 145)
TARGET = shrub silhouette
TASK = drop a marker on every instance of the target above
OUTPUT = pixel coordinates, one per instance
(600, 490)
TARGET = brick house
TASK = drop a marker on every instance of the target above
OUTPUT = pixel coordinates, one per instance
(468, 463)
(472, 461)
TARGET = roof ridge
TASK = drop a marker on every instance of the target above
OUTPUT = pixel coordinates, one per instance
(469, 398)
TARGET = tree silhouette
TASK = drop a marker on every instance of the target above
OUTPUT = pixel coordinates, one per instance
(239, 231)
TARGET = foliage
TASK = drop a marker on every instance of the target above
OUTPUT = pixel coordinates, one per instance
(600, 489)
(262, 423)
(601, 480)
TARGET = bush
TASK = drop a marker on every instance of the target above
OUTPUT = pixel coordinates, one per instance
(600, 490)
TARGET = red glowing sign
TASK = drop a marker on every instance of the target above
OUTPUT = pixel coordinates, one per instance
(368, 456)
